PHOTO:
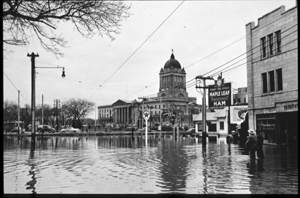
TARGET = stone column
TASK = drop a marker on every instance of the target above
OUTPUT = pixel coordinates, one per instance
(123, 115)
(127, 111)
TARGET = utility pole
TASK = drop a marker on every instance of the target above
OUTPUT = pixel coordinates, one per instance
(160, 116)
(56, 104)
(32, 55)
(42, 109)
(198, 80)
(143, 98)
(18, 112)
(95, 118)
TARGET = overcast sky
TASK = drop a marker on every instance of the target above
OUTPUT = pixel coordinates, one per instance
(198, 32)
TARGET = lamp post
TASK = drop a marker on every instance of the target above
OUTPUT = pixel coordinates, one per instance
(33, 56)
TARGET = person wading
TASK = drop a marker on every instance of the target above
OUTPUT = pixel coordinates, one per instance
(251, 143)
(260, 141)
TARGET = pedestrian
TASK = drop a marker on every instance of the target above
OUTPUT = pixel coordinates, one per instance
(251, 143)
(229, 139)
(260, 141)
(235, 137)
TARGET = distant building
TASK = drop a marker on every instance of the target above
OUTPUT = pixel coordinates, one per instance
(241, 96)
(172, 97)
(272, 75)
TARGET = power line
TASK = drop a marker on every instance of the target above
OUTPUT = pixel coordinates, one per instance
(139, 47)
(224, 48)
(250, 51)
(223, 71)
(14, 86)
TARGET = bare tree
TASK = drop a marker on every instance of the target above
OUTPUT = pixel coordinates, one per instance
(41, 17)
(10, 111)
(78, 109)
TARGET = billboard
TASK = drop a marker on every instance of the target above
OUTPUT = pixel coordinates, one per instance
(238, 114)
(219, 96)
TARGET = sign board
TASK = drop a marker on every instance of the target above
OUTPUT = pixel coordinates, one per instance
(219, 96)
(238, 114)
(287, 106)
(146, 115)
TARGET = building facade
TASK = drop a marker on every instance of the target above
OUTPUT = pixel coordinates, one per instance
(272, 75)
(172, 97)
(241, 97)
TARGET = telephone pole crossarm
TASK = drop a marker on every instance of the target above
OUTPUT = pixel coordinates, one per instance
(204, 87)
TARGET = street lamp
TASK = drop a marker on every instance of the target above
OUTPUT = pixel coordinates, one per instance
(33, 56)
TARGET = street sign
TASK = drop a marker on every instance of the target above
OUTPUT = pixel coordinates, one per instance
(146, 115)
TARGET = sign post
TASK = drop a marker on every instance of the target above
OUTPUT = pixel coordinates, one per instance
(146, 116)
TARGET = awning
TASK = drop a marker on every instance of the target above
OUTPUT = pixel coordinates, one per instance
(209, 117)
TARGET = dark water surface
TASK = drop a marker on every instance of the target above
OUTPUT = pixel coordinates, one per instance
(122, 164)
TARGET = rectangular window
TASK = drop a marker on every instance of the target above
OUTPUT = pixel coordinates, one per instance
(245, 100)
(239, 100)
(278, 41)
(221, 125)
(263, 46)
(272, 81)
(270, 39)
(234, 101)
(264, 82)
(279, 79)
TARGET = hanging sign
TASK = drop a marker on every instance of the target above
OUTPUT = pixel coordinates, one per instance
(219, 96)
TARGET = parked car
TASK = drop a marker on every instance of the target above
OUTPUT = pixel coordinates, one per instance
(70, 129)
(45, 128)
(144, 128)
(191, 130)
(15, 129)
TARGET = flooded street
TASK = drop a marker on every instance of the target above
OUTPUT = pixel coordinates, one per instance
(122, 164)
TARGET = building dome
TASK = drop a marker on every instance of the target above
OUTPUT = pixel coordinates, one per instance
(172, 62)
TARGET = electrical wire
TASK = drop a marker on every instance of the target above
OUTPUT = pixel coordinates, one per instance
(15, 86)
(224, 48)
(138, 48)
(223, 71)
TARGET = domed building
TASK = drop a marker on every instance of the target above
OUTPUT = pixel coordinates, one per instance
(172, 80)
(172, 97)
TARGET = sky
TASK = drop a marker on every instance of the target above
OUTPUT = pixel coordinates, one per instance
(203, 35)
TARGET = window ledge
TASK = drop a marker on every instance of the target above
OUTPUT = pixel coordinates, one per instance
(272, 93)
(270, 56)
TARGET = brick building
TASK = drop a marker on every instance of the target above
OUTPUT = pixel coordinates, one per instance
(272, 75)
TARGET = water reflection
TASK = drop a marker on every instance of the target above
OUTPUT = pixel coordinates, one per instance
(122, 164)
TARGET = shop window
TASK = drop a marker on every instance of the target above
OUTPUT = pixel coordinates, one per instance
(221, 125)
(279, 79)
(264, 82)
(263, 47)
(272, 82)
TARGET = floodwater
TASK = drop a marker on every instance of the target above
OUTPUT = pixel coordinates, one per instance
(122, 165)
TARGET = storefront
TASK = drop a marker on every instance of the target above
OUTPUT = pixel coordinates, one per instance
(266, 124)
(280, 127)
(287, 122)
